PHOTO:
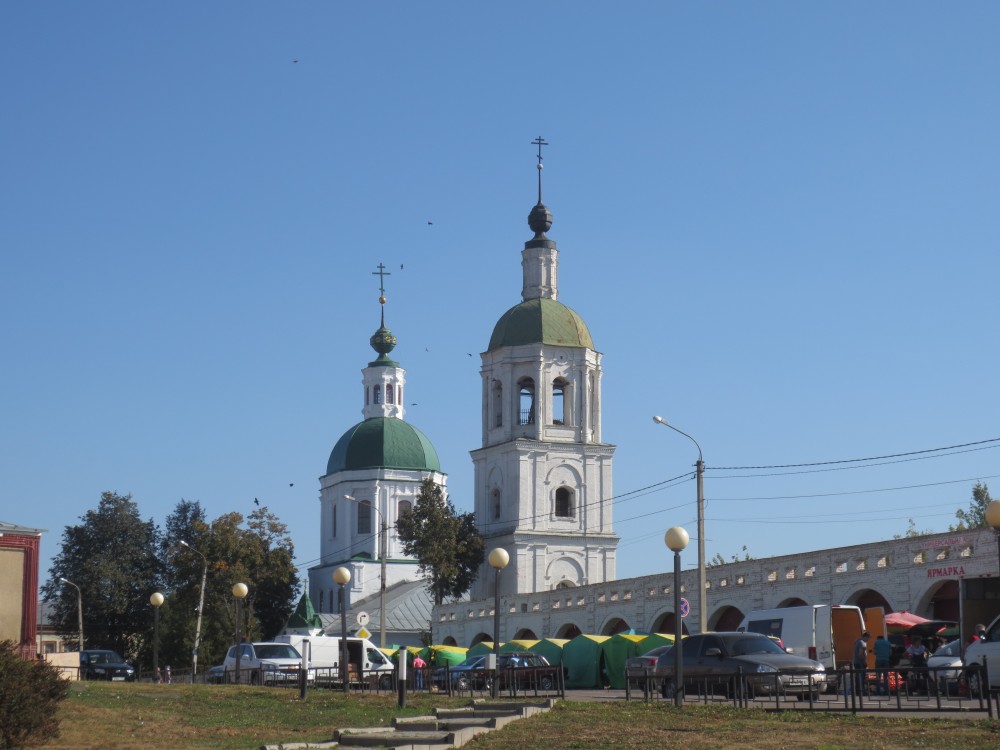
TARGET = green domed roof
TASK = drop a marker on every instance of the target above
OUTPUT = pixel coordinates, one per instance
(540, 321)
(383, 443)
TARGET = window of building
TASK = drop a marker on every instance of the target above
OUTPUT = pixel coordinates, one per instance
(496, 503)
(526, 401)
(404, 507)
(559, 388)
(333, 520)
(564, 503)
(390, 394)
(365, 516)
(497, 403)
(377, 393)
(367, 396)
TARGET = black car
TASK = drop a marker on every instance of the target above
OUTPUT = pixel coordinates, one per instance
(104, 664)
(524, 670)
(732, 662)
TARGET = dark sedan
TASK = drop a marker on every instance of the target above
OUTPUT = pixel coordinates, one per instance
(523, 669)
(104, 664)
(727, 661)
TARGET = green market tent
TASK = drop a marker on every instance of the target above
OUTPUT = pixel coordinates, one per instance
(622, 646)
(483, 647)
(584, 660)
(551, 649)
(447, 656)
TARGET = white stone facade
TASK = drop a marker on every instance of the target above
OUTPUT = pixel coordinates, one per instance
(918, 574)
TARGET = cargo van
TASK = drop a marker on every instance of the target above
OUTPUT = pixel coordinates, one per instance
(364, 658)
(820, 631)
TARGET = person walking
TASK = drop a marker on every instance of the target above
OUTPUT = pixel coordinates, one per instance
(419, 666)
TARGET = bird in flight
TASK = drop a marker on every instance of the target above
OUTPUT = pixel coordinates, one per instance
(256, 501)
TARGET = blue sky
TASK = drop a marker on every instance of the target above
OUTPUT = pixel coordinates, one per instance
(778, 219)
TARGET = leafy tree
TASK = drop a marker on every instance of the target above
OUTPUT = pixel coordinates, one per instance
(447, 544)
(912, 531)
(30, 692)
(256, 551)
(975, 516)
(112, 557)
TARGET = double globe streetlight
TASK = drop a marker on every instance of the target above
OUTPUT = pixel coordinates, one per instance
(702, 576)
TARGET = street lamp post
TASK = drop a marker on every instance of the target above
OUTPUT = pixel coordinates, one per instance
(498, 559)
(156, 600)
(240, 591)
(342, 576)
(677, 539)
(201, 608)
(383, 546)
(993, 519)
(79, 607)
(702, 576)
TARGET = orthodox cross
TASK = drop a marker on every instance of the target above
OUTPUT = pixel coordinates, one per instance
(381, 273)
(539, 141)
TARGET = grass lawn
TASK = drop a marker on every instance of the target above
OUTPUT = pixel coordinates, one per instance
(175, 717)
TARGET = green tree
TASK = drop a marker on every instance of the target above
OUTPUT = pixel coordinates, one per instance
(720, 560)
(255, 550)
(446, 544)
(975, 516)
(112, 557)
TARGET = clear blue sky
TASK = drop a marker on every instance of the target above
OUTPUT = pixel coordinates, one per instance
(778, 219)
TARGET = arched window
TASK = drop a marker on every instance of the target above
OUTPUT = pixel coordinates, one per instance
(526, 412)
(559, 388)
(497, 403)
(390, 394)
(564, 503)
(377, 395)
(404, 507)
(333, 520)
(367, 395)
(496, 503)
(365, 516)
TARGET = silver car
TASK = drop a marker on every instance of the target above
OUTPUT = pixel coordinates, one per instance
(730, 662)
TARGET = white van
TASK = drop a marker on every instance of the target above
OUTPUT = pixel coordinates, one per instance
(821, 632)
(364, 658)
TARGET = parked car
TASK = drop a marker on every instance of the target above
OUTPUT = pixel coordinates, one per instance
(265, 664)
(717, 659)
(988, 647)
(522, 668)
(638, 668)
(104, 664)
(949, 655)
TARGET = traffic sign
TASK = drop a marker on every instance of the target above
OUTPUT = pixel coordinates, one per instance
(363, 618)
(685, 607)
(364, 633)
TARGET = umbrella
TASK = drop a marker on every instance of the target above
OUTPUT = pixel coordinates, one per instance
(904, 620)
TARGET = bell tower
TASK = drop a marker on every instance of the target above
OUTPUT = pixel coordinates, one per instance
(543, 475)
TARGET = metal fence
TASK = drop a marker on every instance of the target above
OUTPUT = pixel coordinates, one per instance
(938, 689)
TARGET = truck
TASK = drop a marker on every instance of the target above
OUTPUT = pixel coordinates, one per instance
(365, 661)
(822, 632)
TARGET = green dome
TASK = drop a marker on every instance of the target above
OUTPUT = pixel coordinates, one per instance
(540, 321)
(383, 443)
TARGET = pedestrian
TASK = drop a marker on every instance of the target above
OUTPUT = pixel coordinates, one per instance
(419, 665)
(170, 676)
(917, 654)
(883, 657)
(978, 634)
(860, 661)
(156, 676)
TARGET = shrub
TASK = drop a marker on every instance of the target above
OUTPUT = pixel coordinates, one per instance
(30, 692)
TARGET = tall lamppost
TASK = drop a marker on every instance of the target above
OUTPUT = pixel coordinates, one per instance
(342, 576)
(677, 539)
(702, 577)
(156, 600)
(383, 546)
(498, 559)
(201, 608)
(240, 591)
(79, 607)
(993, 519)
